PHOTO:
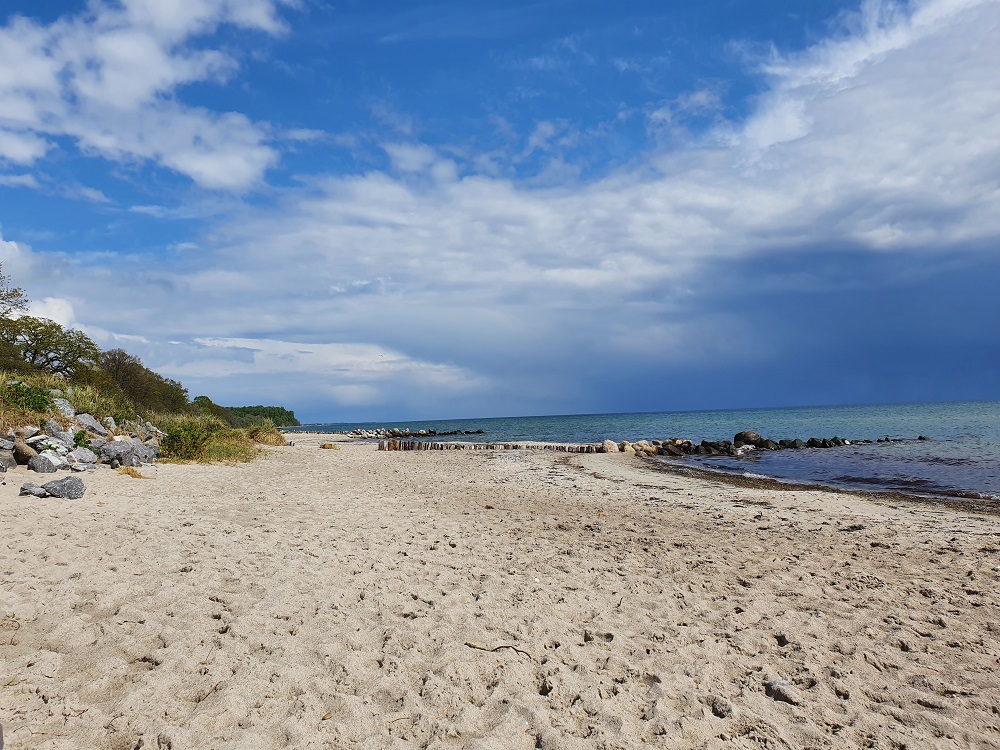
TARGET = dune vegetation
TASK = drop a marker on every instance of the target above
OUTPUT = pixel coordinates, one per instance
(41, 361)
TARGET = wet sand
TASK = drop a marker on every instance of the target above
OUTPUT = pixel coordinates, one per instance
(355, 599)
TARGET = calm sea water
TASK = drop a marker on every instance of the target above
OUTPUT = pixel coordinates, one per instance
(960, 459)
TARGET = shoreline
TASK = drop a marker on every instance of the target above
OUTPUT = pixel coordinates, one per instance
(958, 500)
(971, 504)
(498, 600)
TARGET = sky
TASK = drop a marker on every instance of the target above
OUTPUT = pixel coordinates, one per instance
(384, 210)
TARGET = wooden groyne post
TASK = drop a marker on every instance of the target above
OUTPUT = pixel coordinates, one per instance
(424, 445)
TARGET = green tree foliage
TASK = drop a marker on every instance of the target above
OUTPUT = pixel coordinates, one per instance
(12, 299)
(207, 406)
(247, 416)
(257, 414)
(45, 345)
(147, 390)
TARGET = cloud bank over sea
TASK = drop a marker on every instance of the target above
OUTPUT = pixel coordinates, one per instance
(822, 228)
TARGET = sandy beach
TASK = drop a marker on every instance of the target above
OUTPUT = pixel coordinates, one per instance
(356, 599)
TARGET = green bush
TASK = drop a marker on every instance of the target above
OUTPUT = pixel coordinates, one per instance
(29, 398)
(187, 440)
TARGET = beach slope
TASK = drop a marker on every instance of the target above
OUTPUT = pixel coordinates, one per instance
(354, 599)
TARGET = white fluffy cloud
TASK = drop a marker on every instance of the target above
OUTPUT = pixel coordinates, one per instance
(436, 282)
(106, 79)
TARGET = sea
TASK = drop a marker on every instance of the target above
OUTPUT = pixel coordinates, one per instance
(960, 457)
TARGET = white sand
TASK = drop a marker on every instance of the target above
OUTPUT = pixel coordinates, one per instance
(325, 599)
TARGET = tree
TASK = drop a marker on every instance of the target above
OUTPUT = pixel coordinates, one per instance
(12, 299)
(45, 345)
(147, 390)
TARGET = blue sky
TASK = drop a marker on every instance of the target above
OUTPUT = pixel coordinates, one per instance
(383, 210)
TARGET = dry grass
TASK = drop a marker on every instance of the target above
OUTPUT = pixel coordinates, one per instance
(131, 471)
(330, 446)
(266, 435)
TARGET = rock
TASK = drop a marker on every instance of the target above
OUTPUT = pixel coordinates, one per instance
(29, 488)
(7, 460)
(90, 424)
(814, 442)
(747, 436)
(52, 428)
(42, 464)
(769, 445)
(23, 452)
(110, 423)
(82, 456)
(6, 445)
(610, 446)
(43, 443)
(118, 453)
(28, 431)
(671, 450)
(69, 488)
(144, 452)
(65, 407)
(56, 457)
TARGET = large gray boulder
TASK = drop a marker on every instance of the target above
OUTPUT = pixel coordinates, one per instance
(82, 456)
(118, 453)
(28, 431)
(7, 460)
(58, 457)
(52, 428)
(43, 443)
(747, 436)
(146, 452)
(56, 432)
(87, 422)
(65, 407)
(69, 488)
(42, 464)
(110, 423)
(6, 444)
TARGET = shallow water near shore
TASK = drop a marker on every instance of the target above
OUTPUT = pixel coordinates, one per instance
(961, 457)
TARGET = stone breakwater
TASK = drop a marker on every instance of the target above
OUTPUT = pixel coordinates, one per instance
(424, 445)
(395, 432)
(742, 443)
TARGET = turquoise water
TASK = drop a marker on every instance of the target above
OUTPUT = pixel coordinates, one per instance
(961, 458)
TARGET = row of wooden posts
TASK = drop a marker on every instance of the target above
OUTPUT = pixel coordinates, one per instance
(423, 445)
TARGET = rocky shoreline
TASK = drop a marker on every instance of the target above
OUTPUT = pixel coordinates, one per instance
(742, 443)
(82, 444)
